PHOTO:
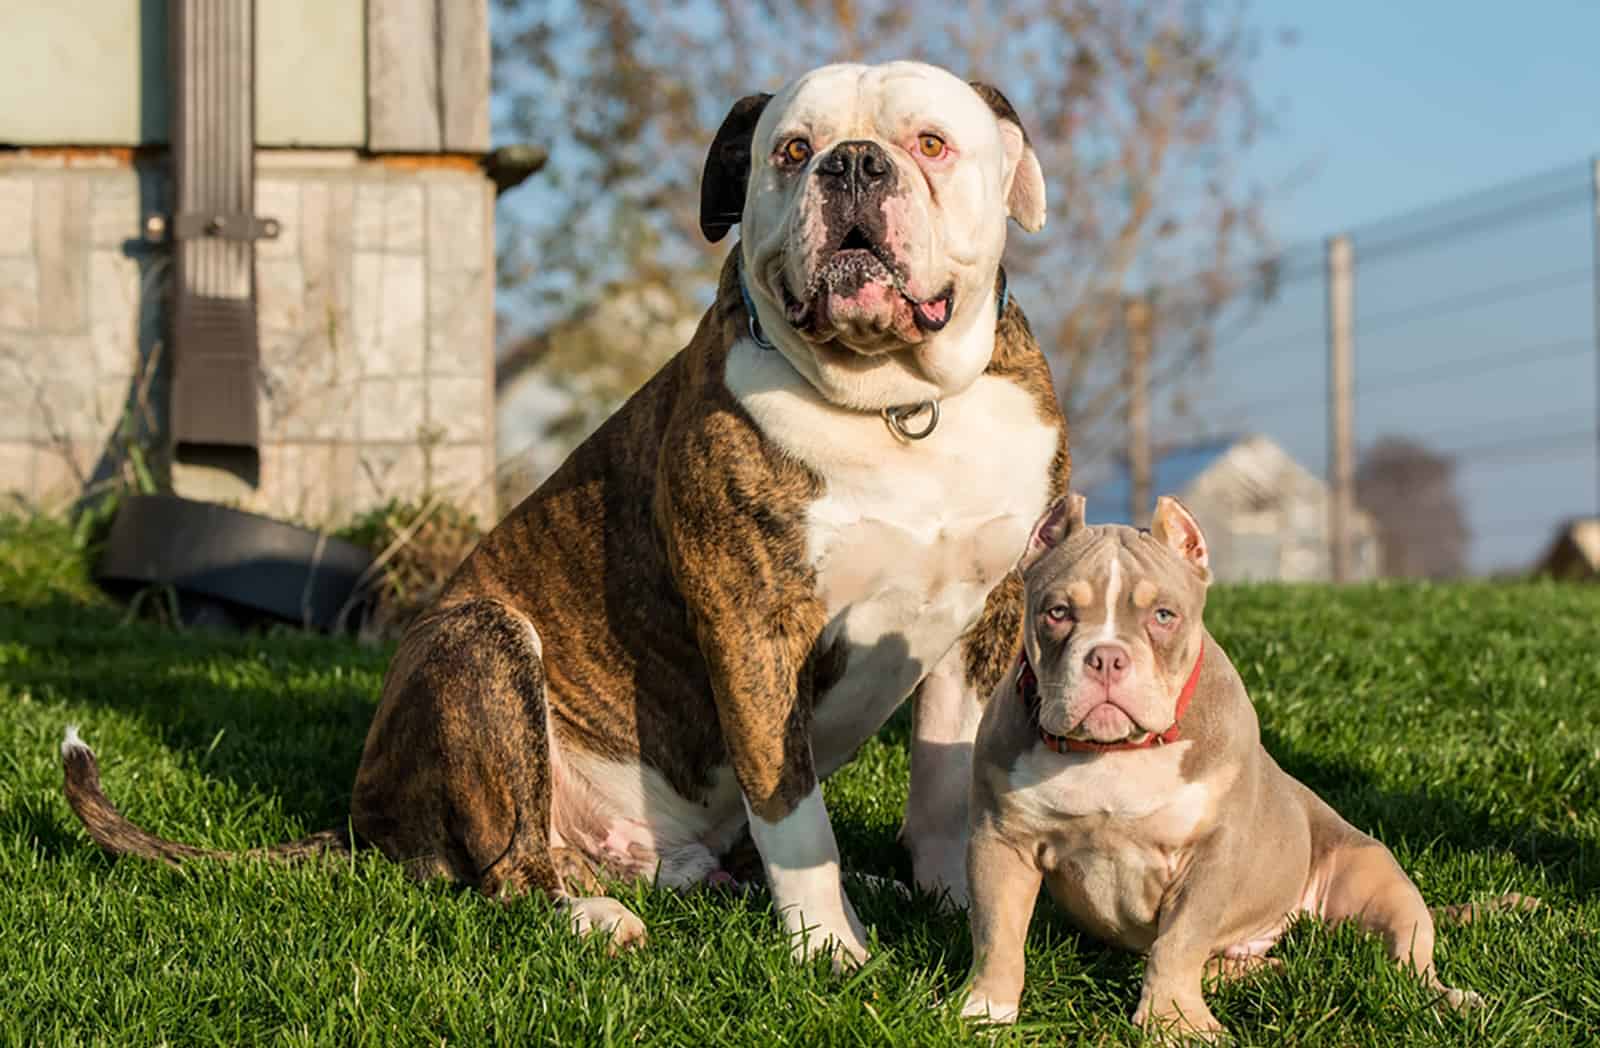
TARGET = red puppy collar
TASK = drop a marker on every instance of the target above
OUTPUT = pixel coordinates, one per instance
(1028, 692)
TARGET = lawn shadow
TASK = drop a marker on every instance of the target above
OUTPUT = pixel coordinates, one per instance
(297, 747)
(43, 822)
(1456, 818)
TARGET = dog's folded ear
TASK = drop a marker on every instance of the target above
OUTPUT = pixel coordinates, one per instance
(1060, 519)
(727, 170)
(1025, 179)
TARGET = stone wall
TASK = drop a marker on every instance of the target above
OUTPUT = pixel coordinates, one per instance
(375, 318)
(70, 321)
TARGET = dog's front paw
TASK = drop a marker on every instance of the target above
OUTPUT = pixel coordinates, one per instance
(822, 923)
(1190, 1019)
(939, 867)
(598, 915)
(845, 951)
(981, 1009)
(847, 957)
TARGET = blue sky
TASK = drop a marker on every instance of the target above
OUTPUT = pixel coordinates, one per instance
(1387, 107)
(1397, 104)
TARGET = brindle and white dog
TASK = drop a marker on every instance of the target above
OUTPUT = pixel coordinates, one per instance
(811, 514)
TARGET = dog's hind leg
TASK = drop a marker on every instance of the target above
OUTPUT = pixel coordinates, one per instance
(457, 772)
(1367, 885)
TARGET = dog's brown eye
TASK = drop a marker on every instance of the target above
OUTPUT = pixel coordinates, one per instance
(797, 151)
(930, 145)
(1058, 613)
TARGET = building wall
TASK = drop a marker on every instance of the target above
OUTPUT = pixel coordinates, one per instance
(90, 72)
(375, 305)
(376, 312)
(1266, 518)
(70, 320)
(95, 72)
(375, 317)
(311, 78)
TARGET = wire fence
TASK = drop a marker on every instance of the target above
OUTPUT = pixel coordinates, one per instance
(1476, 332)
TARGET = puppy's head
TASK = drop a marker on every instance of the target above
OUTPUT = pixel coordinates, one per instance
(874, 202)
(1113, 619)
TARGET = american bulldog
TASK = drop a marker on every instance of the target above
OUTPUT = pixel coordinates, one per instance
(1120, 763)
(807, 517)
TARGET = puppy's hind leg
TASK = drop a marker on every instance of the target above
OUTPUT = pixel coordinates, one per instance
(1367, 885)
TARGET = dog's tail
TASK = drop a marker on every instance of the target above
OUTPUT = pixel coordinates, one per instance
(111, 830)
(1467, 912)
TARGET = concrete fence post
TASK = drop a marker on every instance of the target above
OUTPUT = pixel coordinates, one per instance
(1594, 192)
(1341, 407)
(1136, 378)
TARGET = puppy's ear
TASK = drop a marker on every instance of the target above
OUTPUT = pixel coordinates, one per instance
(722, 184)
(1024, 178)
(1175, 527)
(1060, 519)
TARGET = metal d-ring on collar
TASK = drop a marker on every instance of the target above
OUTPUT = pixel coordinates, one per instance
(897, 416)
(756, 334)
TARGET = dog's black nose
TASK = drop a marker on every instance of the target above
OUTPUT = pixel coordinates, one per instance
(857, 165)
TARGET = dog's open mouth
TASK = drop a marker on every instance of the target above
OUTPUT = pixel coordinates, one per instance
(857, 283)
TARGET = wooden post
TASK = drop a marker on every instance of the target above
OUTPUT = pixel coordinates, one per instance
(1136, 377)
(428, 76)
(1341, 408)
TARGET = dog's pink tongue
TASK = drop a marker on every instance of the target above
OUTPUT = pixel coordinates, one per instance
(934, 312)
(1106, 723)
(872, 304)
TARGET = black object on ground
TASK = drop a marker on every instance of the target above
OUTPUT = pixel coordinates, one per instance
(232, 568)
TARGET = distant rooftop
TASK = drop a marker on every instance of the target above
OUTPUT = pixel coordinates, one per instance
(1171, 473)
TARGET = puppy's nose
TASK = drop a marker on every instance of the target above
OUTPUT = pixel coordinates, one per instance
(1107, 663)
(858, 166)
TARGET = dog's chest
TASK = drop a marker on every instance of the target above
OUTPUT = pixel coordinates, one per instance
(1114, 829)
(908, 537)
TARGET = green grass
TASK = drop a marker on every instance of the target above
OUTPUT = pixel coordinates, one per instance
(1457, 723)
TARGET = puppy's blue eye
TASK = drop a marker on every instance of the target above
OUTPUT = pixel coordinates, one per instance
(1058, 613)
(1166, 616)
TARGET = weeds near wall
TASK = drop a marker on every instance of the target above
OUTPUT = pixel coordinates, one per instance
(418, 546)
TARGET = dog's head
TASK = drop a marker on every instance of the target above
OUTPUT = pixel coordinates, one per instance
(874, 202)
(1113, 619)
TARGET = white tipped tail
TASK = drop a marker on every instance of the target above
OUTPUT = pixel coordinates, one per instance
(70, 741)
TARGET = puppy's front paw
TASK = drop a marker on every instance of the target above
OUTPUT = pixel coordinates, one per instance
(1183, 1019)
(980, 1008)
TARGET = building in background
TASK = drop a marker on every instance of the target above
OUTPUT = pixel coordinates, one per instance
(257, 235)
(1264, 515)
(1574, 554)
